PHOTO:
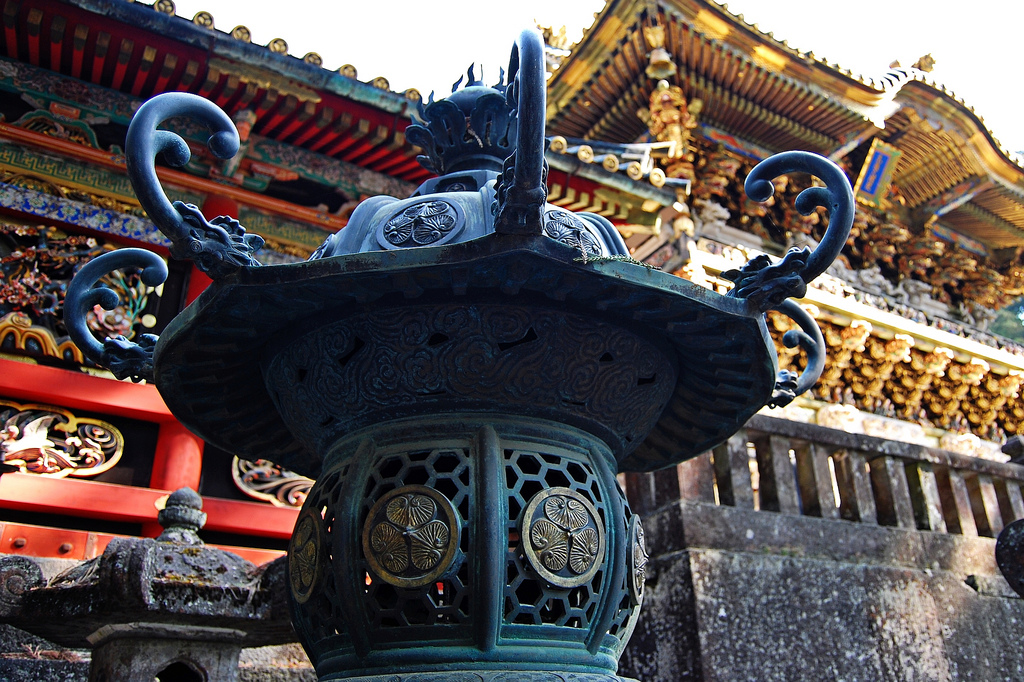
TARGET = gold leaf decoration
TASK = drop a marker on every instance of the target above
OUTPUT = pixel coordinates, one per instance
(204, 19)
(427, 545)
(410, 511)
(562, 536)
(567, 513)
(584, 550)
(305, 555)
(552, 543)
(51, 441)
(411, 537)
(640, 558)
(388, 543)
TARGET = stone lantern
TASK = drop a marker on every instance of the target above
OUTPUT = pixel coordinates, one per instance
(464, 372)
(164, 608)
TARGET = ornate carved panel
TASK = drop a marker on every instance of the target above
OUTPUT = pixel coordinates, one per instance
(895, 379)
(51, 441)
(263, 480)
(36, 264)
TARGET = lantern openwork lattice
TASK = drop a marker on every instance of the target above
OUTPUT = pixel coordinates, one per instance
(463, 371)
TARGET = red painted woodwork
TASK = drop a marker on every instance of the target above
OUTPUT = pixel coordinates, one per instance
(325, 116)
(57, 27)
(36, 383)
(178, 461)
(304, 114)
(90, 499)
(124, 55)
(197, 283)
(11, 10)
(78, 51)
(59, 543)
(40, 541)
(34, 26)
(99, 55)
(218, 205)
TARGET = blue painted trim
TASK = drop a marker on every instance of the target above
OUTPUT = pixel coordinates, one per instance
(80, 214)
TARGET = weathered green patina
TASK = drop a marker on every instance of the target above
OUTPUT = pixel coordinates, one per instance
(464, 371)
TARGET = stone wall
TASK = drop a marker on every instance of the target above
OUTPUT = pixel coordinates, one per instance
(736, 594)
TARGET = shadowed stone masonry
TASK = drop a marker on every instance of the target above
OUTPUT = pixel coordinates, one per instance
(744, 595)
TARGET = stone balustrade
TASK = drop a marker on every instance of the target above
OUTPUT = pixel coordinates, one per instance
(776, 465)
(799, 552)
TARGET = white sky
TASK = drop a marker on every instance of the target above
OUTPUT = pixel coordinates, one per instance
(427, 44)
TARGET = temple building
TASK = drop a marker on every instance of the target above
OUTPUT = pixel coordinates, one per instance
(936, 242)
(654, 120)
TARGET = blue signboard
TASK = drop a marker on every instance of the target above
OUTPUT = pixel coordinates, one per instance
(873, 181)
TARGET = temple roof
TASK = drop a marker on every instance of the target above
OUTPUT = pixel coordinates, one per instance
(774, 97)
(144, 50)
(752, 86)
(954, 168)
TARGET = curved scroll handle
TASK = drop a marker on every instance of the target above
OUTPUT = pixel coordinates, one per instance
(122, 357)
(521, 191)
(768, 285)
(788, 386)
(218, 247)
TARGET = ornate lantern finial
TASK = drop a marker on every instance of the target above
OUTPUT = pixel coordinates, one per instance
(182, 517)
(473, 129)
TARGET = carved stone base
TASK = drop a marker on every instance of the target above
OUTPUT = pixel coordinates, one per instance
(140, 652)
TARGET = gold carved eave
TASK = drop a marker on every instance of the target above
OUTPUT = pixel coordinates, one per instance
(260, 78)
(887, 325)
(844, 310)
(956, 119)
(604, 202)
(755, 88)
(591, 52)
(717, 23)
(984, 225)
(735, 114)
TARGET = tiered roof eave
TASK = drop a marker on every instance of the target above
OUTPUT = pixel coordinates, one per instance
(720, 57)
(218, 43)
(802, 103)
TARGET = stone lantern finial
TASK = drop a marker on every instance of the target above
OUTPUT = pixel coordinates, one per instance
(182, 517)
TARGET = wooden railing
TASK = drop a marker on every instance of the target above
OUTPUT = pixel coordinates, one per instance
(775, 465)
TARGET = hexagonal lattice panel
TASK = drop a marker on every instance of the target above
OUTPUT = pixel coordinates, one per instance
(322, 615)
(529, 600)
(620, 627)
(447, 470)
